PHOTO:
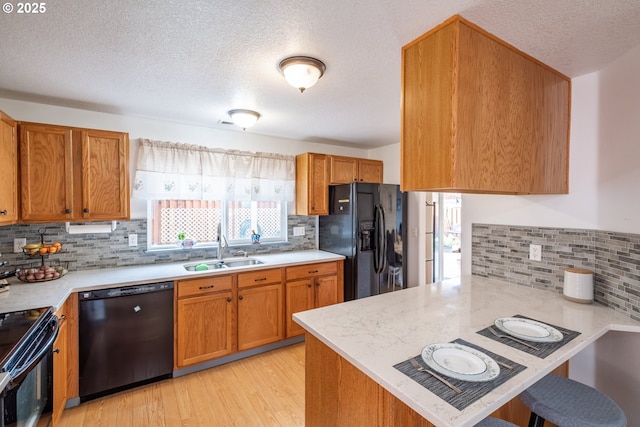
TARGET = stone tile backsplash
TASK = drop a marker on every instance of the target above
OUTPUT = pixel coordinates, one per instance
(87, 251)
(502, 252)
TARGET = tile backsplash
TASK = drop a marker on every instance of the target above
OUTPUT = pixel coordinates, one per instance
(87, 251)
(502, 252)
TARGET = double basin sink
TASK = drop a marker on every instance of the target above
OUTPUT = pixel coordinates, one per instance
(220, 264)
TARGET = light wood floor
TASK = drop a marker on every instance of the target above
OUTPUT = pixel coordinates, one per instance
(263, 390)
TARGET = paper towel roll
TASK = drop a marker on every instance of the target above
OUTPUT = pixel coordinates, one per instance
(578, 285)
(89, 229)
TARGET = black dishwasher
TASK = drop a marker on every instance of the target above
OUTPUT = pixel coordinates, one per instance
(125, 338)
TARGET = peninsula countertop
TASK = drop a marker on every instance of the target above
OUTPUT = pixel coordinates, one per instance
(375, 333)
(24, 296)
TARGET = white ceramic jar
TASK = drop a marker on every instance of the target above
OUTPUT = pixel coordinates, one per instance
(578, 285)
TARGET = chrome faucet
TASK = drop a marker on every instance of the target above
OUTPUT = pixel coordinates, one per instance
(222, 242)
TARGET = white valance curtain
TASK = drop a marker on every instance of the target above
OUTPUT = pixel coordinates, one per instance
(173, 171)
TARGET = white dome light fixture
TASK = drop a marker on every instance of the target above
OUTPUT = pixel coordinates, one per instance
(302, 72)
(244, 118)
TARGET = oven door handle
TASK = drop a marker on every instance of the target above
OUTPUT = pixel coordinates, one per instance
(48, 339)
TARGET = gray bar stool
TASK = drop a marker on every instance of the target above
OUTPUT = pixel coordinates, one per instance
(569, 403)
(494, 422)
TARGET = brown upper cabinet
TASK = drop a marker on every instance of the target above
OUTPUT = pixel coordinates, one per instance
(72, 174)
(343, 170)
(479, 116)
(315, 172)
(312, 184)
(9, 170)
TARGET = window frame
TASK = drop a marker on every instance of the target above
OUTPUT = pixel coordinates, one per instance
(283, 238)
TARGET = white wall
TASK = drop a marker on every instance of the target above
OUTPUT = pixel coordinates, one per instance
(390, 155)
(139, 127)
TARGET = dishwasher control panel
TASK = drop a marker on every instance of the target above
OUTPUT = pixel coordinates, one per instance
(126, 290)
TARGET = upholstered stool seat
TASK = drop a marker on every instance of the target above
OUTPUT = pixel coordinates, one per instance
(569, 403)
(494, 422)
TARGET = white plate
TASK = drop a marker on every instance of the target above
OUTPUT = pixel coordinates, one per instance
(529, 330)
(460, 362)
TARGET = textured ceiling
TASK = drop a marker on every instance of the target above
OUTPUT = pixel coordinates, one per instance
(193, 61)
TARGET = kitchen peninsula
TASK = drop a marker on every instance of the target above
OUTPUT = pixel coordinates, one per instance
(352, 349)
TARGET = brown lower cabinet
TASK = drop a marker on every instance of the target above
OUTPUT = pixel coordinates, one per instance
(205, 319)
(65, 358)
(260, 308)
(312, 286)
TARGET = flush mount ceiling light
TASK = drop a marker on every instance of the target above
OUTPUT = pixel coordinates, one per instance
(301, 72)
(244, 118)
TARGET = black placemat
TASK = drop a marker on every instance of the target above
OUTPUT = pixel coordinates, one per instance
(544, 348)
(471, 391)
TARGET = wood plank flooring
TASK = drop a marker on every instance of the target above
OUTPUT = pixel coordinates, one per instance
(263, 390)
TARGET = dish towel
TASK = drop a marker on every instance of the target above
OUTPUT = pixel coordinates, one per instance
(471, 391)
(544, 348)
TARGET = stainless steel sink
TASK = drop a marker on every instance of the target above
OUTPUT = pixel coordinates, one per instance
(205, 266)
(243, 262)
(225, 263)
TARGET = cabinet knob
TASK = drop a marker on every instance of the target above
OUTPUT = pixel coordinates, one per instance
(67, 211)
(85, 210)
(4, 212)
(57, 350)
(228, 299)
(309, 285)
(240, 297)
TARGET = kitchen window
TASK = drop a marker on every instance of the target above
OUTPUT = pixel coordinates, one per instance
(199, 219)
(191, 189)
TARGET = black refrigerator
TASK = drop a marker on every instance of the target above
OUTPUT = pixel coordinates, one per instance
(365, 224)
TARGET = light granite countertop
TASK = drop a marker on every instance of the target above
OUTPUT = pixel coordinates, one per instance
(378, 332)
(24, 296)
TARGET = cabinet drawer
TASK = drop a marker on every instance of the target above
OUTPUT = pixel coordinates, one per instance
(204, 285)
(260, 277)
(311, 270)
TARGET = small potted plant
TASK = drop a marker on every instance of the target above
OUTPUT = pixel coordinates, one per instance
(184, 242)
(255, 237)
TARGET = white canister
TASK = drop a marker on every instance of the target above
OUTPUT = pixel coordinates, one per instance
(578, 285)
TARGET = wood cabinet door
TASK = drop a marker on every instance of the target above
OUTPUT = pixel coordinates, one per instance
(205, 329)
(342, 170)
(370, 171)
(46, 172)
(318, 185)
(326, 291)
(260, 316)
(299, 297)
(60, 367)
(9, 170)
(105, 175)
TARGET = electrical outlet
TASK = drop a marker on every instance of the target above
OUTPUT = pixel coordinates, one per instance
(298, 231)
(18, 244)
(133, 240)
(535, 252)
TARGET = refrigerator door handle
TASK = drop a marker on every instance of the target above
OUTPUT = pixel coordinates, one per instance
(380, 242)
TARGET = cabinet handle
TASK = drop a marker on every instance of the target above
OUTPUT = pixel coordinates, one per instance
(262, 279)
(57, 350)
(240, 297)
(202, 288)
(63, 316)
(313, 272)
(86, 210)
(229, 299)
(309, 285)
(4, 212)
(68, 211)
